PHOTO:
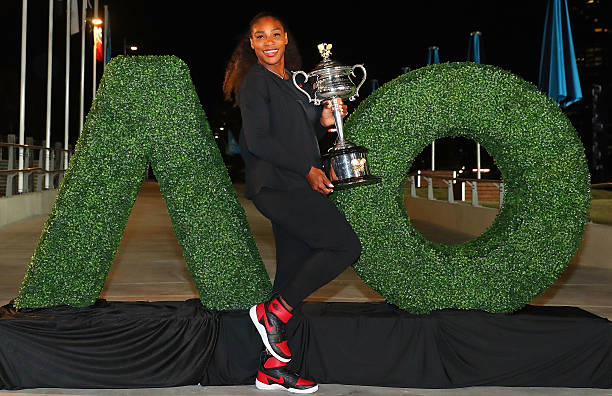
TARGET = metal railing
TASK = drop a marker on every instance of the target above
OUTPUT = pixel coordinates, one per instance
(33, 172)
(451, 183)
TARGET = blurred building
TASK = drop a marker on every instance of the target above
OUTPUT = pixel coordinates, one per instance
(591, 22)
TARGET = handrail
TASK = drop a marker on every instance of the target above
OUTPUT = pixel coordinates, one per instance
(450, 181)
(31, 170)
(31, 146)
(453, 178)
(51, 160)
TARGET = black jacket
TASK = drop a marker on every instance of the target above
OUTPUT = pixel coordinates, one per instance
(278, 139)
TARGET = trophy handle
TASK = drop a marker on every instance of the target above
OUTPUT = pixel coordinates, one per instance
(310, 99)
(362, 80)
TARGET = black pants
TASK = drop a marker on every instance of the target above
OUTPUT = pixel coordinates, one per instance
(314, 242)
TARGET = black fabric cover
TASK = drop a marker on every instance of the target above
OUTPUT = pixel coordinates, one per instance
(163, 344)
(107, 345)
(378, 345)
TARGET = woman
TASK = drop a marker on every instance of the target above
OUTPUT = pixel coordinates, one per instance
(278, 142)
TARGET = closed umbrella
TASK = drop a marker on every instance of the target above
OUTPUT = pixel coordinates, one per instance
(474, 50)
(374, 84)
(433, 56)
(558, 70)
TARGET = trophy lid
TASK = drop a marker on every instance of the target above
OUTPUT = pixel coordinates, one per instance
(326, 63)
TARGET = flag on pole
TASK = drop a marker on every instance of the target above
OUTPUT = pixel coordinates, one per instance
(74, 17)
(107, 36)
(98, 43)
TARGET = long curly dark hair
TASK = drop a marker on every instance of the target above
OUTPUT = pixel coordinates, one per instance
(243, 58)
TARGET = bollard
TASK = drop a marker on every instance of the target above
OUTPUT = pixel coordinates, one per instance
(474, 186)
(500, 186)
(451, 194)
(413, 193)
(430, 194)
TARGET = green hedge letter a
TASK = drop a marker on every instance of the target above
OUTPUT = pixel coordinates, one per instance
(146, 111)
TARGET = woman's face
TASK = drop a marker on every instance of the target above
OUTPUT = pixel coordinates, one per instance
(268, 40)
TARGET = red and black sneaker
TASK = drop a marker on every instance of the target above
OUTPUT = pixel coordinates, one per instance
(269, 320)
(274, 375)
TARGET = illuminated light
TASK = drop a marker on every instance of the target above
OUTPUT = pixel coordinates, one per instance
(221, 129)
(134, 48)
(481, 171)
(461, 171)
(598, 30)
(97, 21)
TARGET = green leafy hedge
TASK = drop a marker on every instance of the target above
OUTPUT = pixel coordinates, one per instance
(146, 111)
(543, 167)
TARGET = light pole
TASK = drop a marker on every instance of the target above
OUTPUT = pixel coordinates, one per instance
(128, 49)
(82, 93)
(49, 81)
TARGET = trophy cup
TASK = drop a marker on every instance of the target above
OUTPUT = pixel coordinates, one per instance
(345, 164)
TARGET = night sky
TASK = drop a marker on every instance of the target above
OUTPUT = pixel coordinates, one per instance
(384, 37)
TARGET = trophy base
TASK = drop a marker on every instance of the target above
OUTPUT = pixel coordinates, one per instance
(355, 182)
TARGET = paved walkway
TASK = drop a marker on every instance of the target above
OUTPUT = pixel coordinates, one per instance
(149, 266)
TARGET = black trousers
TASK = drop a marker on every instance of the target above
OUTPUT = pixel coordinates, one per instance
(314, 242)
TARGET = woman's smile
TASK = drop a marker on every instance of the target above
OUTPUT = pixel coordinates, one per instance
(271, 52)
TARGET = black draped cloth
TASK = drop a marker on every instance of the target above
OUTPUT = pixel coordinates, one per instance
(162, 344)
(107, 345)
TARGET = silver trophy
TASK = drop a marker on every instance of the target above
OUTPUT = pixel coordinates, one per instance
(345, 164)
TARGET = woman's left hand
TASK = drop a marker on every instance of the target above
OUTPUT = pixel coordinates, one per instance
(327, 115)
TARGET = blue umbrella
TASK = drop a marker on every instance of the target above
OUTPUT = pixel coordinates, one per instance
(558, 69)
(374, 84)
(232, 147)
(474, 47)
(433, 56)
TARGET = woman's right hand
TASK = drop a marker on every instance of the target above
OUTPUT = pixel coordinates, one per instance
(318, 181)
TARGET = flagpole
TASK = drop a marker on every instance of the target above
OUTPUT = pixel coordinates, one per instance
(478, 171)
(95, 15)
(82, 97)
(474, 56)
(105, 36)
(22, 91)
(67, 96)
(49, 81)
(433, 155)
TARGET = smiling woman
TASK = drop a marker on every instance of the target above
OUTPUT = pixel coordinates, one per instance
(245, 56)
(269, 42)
(285, 181)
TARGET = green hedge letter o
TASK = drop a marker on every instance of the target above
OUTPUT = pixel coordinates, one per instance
(546, 201)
